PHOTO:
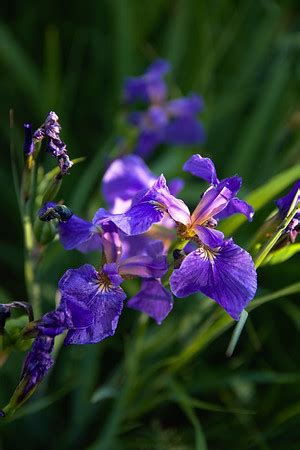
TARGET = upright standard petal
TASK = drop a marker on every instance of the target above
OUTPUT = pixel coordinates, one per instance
(153, 299)
(144, 266)
(203, 168)
(227, 275)
(149, 208)
(236, 206)
(215, 199)
(125, 177)
(101, 294)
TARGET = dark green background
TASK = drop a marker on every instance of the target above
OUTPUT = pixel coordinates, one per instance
(72, 57)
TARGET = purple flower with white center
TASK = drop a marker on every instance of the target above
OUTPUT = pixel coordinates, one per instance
(165, 122)
(218, 268)
(284, 204)
(56, 147)
(28, 141)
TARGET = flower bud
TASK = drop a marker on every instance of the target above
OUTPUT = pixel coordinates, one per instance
(44, 231)
(52, 189)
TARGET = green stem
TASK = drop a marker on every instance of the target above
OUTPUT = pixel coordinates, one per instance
(27, 193)
(33, 289)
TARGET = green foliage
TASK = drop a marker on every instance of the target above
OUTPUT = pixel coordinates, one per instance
(167, 387)
(283, 254)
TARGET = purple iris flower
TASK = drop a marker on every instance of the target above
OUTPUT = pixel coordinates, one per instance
(284, 204)
(218, 268)
(165, 121)
(96, 298)
(124, 179)
(56, 147)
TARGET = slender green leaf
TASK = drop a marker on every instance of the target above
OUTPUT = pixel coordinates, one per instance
(263, 195)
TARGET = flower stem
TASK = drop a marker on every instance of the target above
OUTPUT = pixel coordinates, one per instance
(33, 289)
(27, 191)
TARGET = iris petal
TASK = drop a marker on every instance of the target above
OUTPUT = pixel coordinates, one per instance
(228, 276)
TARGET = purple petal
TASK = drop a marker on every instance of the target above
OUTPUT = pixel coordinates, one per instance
(150, 86)
(176, 208)
(211, 237)
(159, 67)
(185, 106)
(78, 234)
(124, 178)
(184, 131)
(138, 219)
(175, 186)
(106, 309)
(111, 270)
(285, 202)
(144, 266)
(78, 314)
(148, 140)
(215, 199)
(149, 208)
(228, 276)
(236, 206)
(111, 242)
(105, 301)
(80, 282)
(203, 168)
(153, 300)
(233, 184)
(157, 116)
(142, 244)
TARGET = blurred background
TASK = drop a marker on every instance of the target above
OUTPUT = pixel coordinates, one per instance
(149, 387)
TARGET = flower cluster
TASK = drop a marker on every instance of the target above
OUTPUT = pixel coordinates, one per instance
(145, 232)
(164, 121)
(138, 201)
